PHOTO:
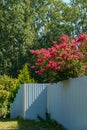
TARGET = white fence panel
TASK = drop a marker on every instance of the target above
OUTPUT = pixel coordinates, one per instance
(30, 101)
(67, 103)
(36, 100)
(17, 106)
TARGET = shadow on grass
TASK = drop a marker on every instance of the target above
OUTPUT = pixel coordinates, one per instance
(39, 124)
(20, 124)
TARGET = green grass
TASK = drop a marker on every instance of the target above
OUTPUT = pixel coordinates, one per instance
(20, 124)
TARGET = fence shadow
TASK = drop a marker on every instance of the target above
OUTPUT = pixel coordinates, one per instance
(38, 106)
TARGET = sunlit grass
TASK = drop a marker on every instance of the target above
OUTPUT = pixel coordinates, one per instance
(8, 124)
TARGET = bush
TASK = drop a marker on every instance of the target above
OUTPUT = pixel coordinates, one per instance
(65, 59)
(4, 97)
(7, 90)
(24, 77)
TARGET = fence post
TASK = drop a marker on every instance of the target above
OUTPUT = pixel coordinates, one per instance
(48, 99)
(24, 102)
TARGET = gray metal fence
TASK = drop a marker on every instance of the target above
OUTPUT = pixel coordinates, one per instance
(66, 102)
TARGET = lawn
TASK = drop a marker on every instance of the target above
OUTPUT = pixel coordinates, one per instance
(20, 124)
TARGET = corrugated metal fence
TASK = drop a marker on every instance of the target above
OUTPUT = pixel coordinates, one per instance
(65, 101)
(31, 100)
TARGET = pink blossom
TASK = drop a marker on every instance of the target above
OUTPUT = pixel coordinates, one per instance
(52, 64)
(56, 47)
(34, 52)
(64, 38)
(75, 57)
(47, 54)
(48, 66)
(63, 56)
(58, 68)
(39, 71)
(39, 62)
(68, 50)
(63, 45)
(82, 38)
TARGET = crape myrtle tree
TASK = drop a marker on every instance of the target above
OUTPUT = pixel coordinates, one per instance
(62, 61)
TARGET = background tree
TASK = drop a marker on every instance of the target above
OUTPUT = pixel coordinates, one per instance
(79, 9)
(56, 17)
(16, 35)
(51, 20)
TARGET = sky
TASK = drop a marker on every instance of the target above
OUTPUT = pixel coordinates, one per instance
(66, 1)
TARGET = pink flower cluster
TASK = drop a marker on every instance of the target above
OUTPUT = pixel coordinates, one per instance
(61, 56)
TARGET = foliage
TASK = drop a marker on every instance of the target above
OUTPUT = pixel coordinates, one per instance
(9, 88)
(16, 35)
(34, 24)
(4, 97)
(54, 17)
(24, 77)
(62, 61)
(79, 19)
(50, 21)
(7, 91)
(4, 109)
